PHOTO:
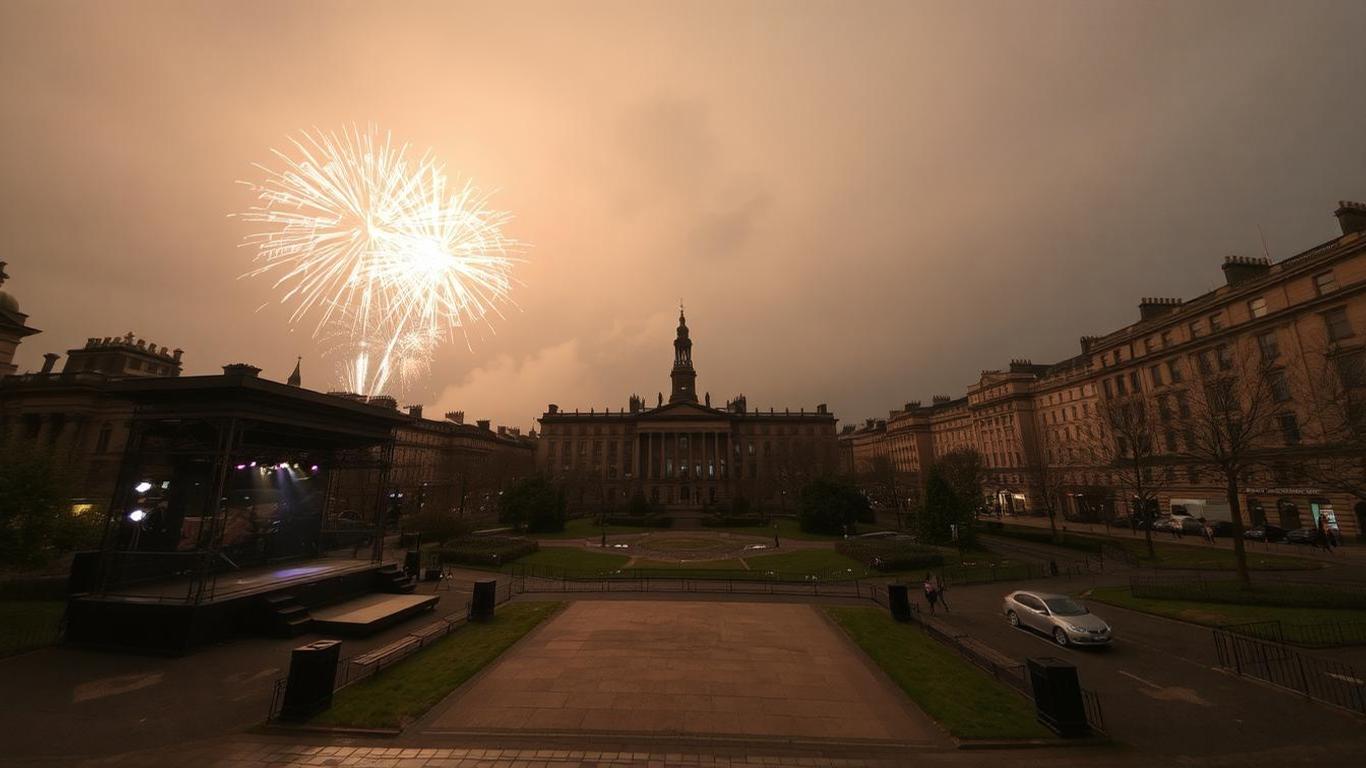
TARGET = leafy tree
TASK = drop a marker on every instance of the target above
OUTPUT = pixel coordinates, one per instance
(533, 504)
(831, 506)
(35, 514)
(639, 506)
(942, 509)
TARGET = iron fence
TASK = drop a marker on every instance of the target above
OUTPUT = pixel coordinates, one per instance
(1325, 680)
(1327, 634)
(1266, 589)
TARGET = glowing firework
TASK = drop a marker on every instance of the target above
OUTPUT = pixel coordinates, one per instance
(371, 240)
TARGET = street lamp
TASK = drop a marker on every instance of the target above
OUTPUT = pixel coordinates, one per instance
(136, 517)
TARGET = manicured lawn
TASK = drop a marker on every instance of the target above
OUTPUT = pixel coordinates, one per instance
(692, 565)
(1215, 614)
(573, 559)
(28, 624)
(585, 528)
(818, 562)
(405, 691)
(788, 528)
(949, 689)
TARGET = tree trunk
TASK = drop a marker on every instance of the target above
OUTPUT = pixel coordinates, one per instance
(1236, 513)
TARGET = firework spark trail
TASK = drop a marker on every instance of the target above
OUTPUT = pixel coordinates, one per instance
(373, 241)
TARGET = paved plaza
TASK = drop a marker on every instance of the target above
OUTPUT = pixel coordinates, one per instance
(672, 667)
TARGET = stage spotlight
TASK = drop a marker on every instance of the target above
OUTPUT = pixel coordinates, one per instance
(137, 515)
(143, 487)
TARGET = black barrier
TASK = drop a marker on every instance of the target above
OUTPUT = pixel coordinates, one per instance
(312, 673)
(899, 601)
(1058, 697)
(483, 599)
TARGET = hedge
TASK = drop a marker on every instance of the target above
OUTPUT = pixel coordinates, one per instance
(648, 521)
(487, 550)
(724, 521)
(891, 555)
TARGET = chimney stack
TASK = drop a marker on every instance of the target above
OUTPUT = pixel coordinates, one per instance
(415, 411)
(483, 424)
(1351, 216)
(1240, 269)
(243, 370)
(455, 417)
(1148, 308)
(49, 360)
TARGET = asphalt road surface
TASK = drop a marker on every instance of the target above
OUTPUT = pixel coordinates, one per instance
(1162, 692)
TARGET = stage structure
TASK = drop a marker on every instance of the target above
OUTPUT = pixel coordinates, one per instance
(240, 505)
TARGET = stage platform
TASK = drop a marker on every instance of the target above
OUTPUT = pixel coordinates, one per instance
(158, 616)
(370, 614)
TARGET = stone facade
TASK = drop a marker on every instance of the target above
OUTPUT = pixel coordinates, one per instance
(685, 455)
(1298, 317)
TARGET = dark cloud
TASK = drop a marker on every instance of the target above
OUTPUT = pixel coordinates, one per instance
(861, 203)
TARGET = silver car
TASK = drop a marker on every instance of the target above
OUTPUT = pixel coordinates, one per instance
(1058, 616)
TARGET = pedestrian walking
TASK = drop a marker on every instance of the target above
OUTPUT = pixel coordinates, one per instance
(1206, 531)
(931, 591)
(941, 591)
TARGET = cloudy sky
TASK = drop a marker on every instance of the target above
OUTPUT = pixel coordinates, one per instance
(861, 203)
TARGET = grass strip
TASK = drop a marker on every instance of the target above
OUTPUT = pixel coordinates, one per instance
(948, 688)
(403, 692)
(1215, 614)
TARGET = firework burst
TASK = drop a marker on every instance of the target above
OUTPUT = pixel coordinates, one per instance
(372, 240)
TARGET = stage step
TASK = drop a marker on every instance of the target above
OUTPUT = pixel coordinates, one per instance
(370, 614)
(288, 618)
(394, 581)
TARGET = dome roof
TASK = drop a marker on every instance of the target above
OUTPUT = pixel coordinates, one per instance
(8, 302)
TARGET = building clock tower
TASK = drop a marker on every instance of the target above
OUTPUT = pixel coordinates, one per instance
(683, 375)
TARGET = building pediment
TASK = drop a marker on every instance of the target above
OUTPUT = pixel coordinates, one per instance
(681, 411)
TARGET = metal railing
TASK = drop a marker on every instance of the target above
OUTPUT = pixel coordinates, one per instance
(1327, 634)
(1267, 589)
(1324, 680)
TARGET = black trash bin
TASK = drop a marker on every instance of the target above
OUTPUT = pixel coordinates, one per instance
(1057, 696)
(312, 674)
(899, 601)
(482, 601)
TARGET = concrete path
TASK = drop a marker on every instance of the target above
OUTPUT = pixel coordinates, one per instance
(669, 667)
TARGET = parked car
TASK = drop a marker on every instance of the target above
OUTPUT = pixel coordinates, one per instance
(1164, 524)
(1221, 527)
(1058, 616)
(1190, 525)
(1302, 536)
(1265, 532)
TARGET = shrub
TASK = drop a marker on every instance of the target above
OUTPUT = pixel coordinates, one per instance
(487, 550)
(831, 506)
(891, 555)
(649, 521)
(438, 527)
(729, 521)
(534, 505)
(638, 506)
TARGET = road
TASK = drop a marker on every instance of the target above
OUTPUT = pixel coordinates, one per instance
(1162, 692)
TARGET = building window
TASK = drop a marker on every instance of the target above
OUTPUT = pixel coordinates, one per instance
(1280, 390)
(1290, 428)
(1171, 441)
(1174, 371)
(102, 442)
(1183, 406)
(1134, 383)
(1267, 343)
(1225, 357)
(1215, 324)
(1148, 345)
(1352, 369)
(1119, 384)
(1202, 363)
(1257, 307)
(1166, 339)
(1324, 282)
(1196, 329)
(1339, 327)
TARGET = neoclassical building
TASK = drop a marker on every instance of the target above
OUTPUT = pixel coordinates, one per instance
(684, 455)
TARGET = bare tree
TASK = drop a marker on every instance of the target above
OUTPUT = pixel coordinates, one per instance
(966, 473)
(1233, 415)
(1333, 394)
(1128, 445)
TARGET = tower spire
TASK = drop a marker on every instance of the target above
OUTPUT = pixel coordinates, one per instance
(296, 379)
(683, 376)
